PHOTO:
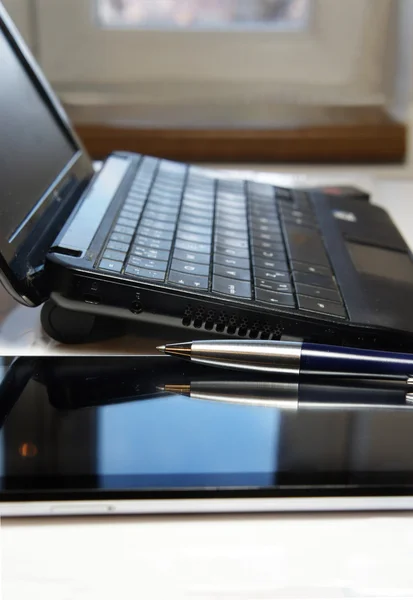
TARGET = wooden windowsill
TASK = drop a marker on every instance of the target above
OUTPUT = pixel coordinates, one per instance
(300, 135)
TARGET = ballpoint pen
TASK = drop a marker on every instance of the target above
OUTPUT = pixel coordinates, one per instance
(295, 358)
(293, 396)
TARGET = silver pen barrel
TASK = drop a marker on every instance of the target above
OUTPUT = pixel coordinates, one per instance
(282, 358)
(270, 394)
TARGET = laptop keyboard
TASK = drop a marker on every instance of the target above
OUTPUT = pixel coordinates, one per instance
(231, 238)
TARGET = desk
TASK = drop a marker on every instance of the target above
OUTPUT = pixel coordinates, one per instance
(212, 558)
(281, 556)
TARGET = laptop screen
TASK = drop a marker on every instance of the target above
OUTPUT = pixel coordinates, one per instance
(33, 149)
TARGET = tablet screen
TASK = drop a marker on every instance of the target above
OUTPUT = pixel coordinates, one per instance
(99, 426)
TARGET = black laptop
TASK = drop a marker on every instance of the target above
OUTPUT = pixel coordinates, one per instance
(162, 242)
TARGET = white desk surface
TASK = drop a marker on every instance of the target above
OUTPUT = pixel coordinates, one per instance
(246, 557)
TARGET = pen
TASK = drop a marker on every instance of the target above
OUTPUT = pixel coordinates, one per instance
(294, 358)
(293, 396)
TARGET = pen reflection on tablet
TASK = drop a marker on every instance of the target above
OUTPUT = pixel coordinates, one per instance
(295, 396)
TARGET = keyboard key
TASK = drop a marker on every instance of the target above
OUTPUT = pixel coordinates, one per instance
(127, 222)
(150, 253)
(191, 228)
(201, 221)
(114, 255)
(193, 257)
(134, 202)
(259, 253)
(274, 238)
(274, 230)
(274, 286)
(276, 298)
(195, 213)
(111, 265)
(194, 237)
(164, 201)
(233, 252)
(204, 204)
(234, 206)
(231, 207)
(187, 280)
(229, 242)
(257, 221)
(123, 229)
(273, 265)
(119, 246)
(231, 233)
(147, 263)
(190, 267)
(193, 246)
(229, 261)
(231, 287)
(317, 280)
(121, 237)
(131, 215)
(262, 210)
(145, 273)
(228, 226)
(305, 245)
(308, 268)
(317, 292)
(157, 234)
(232, 273)
(159, 225)
(146, 242)
(282, 276)
(161, 214)
(137, 195)
(198, 200)
(135, 207)
(321, 306)
(275, 246)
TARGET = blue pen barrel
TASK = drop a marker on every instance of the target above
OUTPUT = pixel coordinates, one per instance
(330, 395)
(348, 362)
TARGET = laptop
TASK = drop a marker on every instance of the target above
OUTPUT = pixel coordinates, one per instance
(134, 435)
(153, 240)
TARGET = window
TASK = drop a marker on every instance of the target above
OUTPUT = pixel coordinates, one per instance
(160, 14)
(212, 60)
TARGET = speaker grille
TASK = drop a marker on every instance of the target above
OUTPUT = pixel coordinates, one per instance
(200, 317)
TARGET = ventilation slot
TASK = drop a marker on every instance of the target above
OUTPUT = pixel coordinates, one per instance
(231, 324)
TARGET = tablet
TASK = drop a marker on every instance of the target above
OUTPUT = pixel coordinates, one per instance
(134, 435)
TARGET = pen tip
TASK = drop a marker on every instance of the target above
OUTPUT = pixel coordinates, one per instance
(160, 388)
(161, 349)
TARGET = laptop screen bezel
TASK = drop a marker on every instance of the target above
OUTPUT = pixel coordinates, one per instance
(79, 169)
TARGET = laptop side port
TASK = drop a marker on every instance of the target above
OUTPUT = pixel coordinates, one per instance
(92, 299)
(136, 307)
